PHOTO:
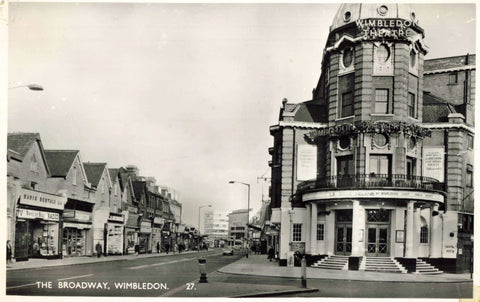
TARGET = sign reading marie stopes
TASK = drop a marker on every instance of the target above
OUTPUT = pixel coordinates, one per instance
(384, 28)
(40, 199)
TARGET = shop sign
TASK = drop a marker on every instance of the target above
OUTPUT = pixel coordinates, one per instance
(76, 225)
(158, 220)
(400, 194)
(40, 199)
(68, 214)
(434, 162)
(82, 216)
(297, 247)
(115, 218)
(32, 214)
(384, 28)
(145, 227)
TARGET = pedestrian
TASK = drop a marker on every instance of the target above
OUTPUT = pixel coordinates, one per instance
(9, 253)
(98, 249)
(270, 253)
(158, 246)
(167, 247)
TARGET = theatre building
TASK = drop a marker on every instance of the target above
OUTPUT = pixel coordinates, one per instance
(33, 212)
(375, 171)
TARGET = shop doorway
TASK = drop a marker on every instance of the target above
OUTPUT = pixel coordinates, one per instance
(73, 243)
(378, 233)
(21, 241)
(343, 232)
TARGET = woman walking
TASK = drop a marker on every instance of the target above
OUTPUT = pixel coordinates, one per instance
(9, 253)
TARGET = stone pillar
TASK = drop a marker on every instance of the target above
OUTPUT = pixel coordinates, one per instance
(435, 234)
(308, 242)
(358, 224)
(313, 233)
(409, 230)
(285, 227)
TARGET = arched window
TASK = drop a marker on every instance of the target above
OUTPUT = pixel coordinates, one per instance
(423, 230)
(413, 58)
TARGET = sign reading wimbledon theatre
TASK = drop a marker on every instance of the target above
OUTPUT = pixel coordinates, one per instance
(40, 199)
(384, 28)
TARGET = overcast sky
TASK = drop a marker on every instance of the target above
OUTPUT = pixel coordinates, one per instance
(186, 92)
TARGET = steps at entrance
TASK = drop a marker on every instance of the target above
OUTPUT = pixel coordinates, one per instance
(381, 264)
(333, 262)
(423, 268)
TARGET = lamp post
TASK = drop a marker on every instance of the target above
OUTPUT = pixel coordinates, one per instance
(34, 87)
(248, 206)
(199, 208)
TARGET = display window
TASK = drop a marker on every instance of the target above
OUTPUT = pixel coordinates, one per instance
(73, 243)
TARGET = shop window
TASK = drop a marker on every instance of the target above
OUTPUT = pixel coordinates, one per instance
(412, 107)
(347, 104)
(320, 231)
(297, 232)
(381, 101)
(424, 234)
(453, 78)
(469, 176)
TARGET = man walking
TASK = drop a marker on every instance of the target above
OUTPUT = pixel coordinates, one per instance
(98, 249)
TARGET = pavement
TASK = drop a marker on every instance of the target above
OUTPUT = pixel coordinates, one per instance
(254, 265)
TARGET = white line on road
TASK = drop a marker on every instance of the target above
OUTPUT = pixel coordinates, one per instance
(158, 264)
(74, 277)
(24, 285)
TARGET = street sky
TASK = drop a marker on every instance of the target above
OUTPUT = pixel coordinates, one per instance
(186, 92)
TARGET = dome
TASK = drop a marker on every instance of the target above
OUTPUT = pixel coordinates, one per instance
(350, 12)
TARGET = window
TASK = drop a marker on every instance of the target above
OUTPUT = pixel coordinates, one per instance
(345, 165)
(380, 140)
(34, 164)
(380, 164)
(469, 176)
(470, 141)
(453, 78)
(413, 58)
(411, 167)
(347, 104)
(74, 176)
(381, 100)
(320, 231)
(411, 105)
(297, 232)
(347, 57)
(424, 234)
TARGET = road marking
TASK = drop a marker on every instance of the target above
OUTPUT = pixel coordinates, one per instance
(74, 277)
(24, 285)
(170, 262)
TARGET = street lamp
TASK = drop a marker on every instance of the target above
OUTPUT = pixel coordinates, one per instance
(34, 87)
(248, 206)
(206, 206)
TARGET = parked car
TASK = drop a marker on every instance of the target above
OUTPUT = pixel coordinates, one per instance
(227, 251)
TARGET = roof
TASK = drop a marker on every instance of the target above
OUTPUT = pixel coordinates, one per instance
(138, 189)
(21, 142)
(60, 161)
(113, 173)
(94, 172)
(309, 111)
(436, 109)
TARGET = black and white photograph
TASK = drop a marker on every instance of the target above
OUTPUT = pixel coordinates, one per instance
(238, 150)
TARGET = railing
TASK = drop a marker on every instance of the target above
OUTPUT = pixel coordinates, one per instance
(372, 181)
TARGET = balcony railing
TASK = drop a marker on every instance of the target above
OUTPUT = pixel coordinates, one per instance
(368, 181)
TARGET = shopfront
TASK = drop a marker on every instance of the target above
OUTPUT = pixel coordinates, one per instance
(115, 234)
(157, 234)
(132, 229)
(77, 230)
(144, 237)
(37, 225)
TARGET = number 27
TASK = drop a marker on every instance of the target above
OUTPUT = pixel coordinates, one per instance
(190, 286)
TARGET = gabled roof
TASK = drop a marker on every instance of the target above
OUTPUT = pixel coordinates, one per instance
(113, 173)
(60, 161)
(139, 189)
(19, 143)
(94, 172)
(435, 109)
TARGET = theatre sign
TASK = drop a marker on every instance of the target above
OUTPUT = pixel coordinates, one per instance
(385, 28)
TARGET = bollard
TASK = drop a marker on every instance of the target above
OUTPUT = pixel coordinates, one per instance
(304, 272)
(202, 267)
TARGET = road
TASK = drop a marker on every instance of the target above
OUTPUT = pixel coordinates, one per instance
(142, 277)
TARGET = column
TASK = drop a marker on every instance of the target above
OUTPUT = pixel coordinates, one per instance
(307, 220)
(313, 232)
(435, 234)
(357, 225)
(409, 231)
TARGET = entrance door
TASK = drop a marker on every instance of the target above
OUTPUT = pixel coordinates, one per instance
(377, 241)
(343, 239)
(22, 240)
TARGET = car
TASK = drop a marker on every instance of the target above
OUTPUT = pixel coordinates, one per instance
(228, 251)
